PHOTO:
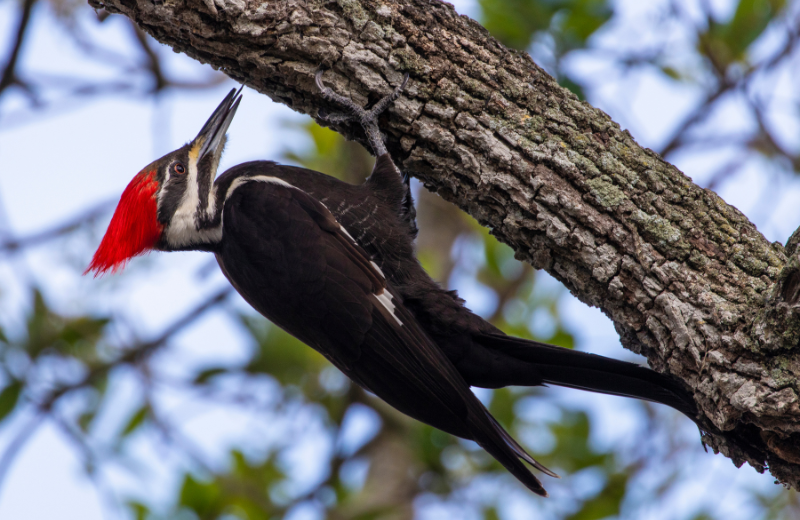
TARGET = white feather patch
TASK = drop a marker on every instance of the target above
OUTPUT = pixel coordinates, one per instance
(346, 233)
(378, 269)
(260, 178)
(242, 180)
(385, 299)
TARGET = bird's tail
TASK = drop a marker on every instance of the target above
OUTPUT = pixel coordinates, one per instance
(492, 437)
(570, 368)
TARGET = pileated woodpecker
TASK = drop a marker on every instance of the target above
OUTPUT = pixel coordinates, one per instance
(333, 264)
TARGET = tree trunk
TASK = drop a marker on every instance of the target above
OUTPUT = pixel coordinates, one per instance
(688, 281)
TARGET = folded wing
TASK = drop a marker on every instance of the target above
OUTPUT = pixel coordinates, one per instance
(296, 265)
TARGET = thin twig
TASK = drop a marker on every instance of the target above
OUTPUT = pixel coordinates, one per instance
(9, 76)
(93, 461)
(135, 354)
(697, 115)
(725, 86)
(153, 61)
(131, 356)
(16, 244)
(15, 446)
(726, 171)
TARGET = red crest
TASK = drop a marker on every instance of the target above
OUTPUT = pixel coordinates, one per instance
(134, 228)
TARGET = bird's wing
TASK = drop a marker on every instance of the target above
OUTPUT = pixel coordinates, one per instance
(289, 257)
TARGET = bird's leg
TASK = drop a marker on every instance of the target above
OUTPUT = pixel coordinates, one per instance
(352, 112)
(386, 176)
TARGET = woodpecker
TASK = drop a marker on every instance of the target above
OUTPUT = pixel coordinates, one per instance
(333, 264)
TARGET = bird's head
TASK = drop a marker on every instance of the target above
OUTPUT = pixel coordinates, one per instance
(170, 204)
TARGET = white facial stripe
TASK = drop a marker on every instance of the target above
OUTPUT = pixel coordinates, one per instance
(385, 299)
(167, 176)
(182, 230)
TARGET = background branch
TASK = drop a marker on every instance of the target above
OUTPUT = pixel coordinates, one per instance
(9, 76)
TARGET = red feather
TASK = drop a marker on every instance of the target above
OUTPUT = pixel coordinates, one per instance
(134, 228)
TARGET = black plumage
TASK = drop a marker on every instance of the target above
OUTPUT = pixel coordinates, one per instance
(286, 254)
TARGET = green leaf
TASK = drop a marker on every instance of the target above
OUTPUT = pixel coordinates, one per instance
(139, 510)
(345, 160)
(375, 513)
(502, 406)
(606, 503)
(672, 73)
(573, 451)
(726, 43)
(490, 513)
(204, 498)
(135, 421)
(85, 419)
(562, 338)
(48, 331)
(428, 446)
(573, 87)
(204, 376)
(82, 329)
(749, 22)
(515, 22)
(43, 326)
(579, 20)
(281, 355)
(262, 474)
(9, 397)
(569, 22)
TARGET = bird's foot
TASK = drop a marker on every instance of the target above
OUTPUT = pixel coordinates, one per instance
(368, 119)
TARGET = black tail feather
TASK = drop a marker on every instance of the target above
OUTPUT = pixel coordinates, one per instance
(570, 368)
(494, 439)
(518, 449)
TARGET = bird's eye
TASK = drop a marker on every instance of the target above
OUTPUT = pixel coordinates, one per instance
(179, 168)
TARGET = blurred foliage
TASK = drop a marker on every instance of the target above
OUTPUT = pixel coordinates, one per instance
(562, 25)
(727, 43)
(69, 367)
(53, 352)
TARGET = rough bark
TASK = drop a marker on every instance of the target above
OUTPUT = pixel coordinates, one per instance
(688, 281)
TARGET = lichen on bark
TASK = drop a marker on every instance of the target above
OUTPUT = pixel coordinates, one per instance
(687, 279)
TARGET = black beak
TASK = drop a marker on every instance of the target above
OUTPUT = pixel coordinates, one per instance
(213, 132)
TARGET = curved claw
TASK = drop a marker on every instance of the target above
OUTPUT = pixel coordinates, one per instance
(330, 95)
(386, 101)
(367, 118)
(318, 80)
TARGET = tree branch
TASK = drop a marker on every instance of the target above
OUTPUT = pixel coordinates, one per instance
(687, 279)
(12, 245)
(9, 76)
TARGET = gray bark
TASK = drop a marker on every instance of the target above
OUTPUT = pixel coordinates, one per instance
(688, 281)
